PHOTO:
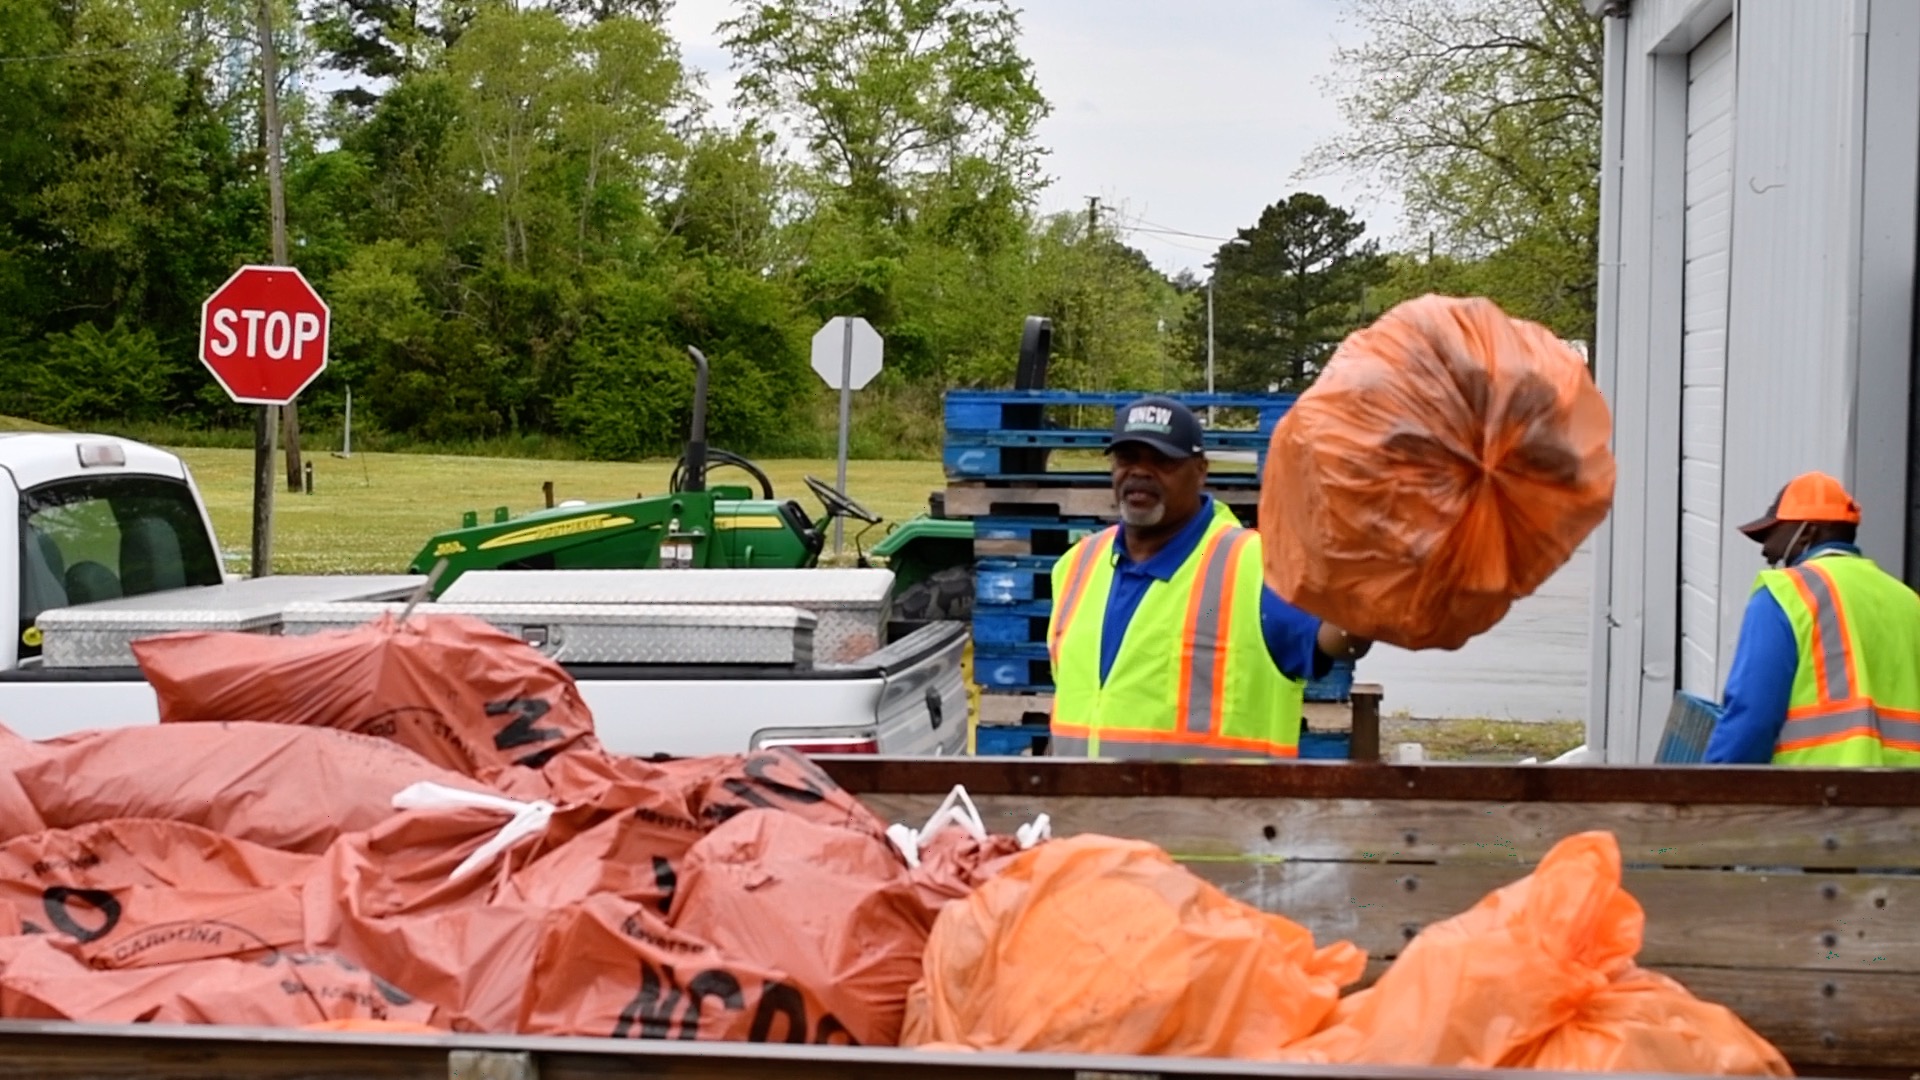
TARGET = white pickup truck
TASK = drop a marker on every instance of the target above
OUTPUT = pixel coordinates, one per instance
(114, 543)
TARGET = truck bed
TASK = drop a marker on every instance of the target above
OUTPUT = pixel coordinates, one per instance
(1784, 894)
(912, 689)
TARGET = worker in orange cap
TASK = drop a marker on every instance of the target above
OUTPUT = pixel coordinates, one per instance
(1827, 672)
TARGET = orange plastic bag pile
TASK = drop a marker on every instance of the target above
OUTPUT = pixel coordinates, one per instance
(1096, 945)
(462, 693)
(1445, 464)
(413, 824)
(1540, 974)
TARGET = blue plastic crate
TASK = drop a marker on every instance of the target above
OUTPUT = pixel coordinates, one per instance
(1012, 668)
(991, 456)
(1336, 686)
(1690, 723)
(1014, 740)
(1008, 537)
(1012, 624)
(1017, 668)
(1015, 580)
(1007, 740)
(985, 410)
(1325, 746)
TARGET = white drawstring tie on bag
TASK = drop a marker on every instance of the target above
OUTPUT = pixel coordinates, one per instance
(958, 809)
(525, 818)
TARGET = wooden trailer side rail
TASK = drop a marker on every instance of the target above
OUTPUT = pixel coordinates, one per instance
(1788, 895)
(44, 1050)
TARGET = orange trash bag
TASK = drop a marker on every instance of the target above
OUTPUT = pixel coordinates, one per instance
(1097, 945)
(1645, 1022)
(125, 894)
(39, 981)
(611, 968)
(465, 695)
(830, 907)
(1539, 973)
(292, 788)
(1445, 464)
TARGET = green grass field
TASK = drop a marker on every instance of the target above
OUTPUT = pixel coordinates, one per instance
(372, 513)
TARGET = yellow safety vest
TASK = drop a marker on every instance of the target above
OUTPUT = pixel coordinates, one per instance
(1856, 692)
(1192, 678)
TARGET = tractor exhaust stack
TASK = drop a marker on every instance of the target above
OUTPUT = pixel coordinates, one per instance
(697, 438)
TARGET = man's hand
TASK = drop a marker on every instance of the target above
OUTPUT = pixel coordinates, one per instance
(1337, 644)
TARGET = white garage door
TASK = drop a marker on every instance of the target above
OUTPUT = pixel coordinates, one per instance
(1709, 220)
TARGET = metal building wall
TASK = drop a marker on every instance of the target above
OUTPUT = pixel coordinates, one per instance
(1819, 305)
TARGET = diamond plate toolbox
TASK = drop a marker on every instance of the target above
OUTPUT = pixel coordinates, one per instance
(102, 634)
(611, 633)
(852, 605)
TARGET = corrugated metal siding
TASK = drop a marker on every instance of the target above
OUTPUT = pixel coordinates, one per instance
(1703, 350)
(1790, 378)
(1820, 311)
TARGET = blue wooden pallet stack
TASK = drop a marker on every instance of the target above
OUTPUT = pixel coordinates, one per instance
(1029, 506)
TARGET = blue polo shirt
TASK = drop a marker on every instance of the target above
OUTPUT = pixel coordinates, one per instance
(1760, 682)
(1289, 632)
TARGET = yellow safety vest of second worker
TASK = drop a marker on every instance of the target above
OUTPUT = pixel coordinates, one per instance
(1192, 678)
(1856, 693)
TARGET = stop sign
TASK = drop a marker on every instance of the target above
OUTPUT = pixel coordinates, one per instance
(263, 334)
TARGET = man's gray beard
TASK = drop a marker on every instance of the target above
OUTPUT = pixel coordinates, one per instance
(1145, 519)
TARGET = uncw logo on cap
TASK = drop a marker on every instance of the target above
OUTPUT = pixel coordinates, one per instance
(1150, 418)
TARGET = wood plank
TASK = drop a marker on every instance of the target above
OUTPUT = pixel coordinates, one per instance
(1846, 1024)
(1365, 726)
(165, 1052)
(1002, 709)
(1822, 1023)
(1429, 830)
(1665, 784)
(970, 499)
(1823, 923)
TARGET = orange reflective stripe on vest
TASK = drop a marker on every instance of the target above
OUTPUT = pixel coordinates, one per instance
(1842, 711)
(1079, 572)
(1203, 666)
(1832, 658)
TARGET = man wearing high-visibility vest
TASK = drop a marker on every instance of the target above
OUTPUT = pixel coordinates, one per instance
(1827, 672)
(1164, 639)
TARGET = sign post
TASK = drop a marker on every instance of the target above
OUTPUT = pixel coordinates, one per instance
(846, 353)
(263, 335)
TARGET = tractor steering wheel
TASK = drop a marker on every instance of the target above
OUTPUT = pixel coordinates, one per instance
(842, 505)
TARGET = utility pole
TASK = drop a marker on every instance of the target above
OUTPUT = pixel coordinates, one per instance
(277, 197)
(1210, 345)
(1093, 215)
(266, 423)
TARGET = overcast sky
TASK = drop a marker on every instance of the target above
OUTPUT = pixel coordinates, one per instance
(1187, 115)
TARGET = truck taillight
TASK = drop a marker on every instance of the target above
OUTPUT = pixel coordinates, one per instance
(856, 746)
(835, 742)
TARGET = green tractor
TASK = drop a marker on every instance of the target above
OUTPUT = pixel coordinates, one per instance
(712, 526)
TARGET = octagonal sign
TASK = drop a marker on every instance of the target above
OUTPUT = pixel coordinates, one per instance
(263, 334)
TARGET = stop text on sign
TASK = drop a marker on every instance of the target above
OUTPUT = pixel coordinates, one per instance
(283, 334)
(263, 334)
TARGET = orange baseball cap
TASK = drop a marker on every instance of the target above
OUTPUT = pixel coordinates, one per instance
(1814, 497)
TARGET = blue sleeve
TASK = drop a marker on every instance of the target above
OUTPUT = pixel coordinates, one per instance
(1292, 638)
(1759, 685)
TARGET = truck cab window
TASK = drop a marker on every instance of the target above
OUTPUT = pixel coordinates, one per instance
(104, 537)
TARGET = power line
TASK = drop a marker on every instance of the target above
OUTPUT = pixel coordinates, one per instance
(1154, 226)
(1180, 232)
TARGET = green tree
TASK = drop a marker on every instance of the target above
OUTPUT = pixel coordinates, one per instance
(1484, 115)
(1285, 293)
(888, 92)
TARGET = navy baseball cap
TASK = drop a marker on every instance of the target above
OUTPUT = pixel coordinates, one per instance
(1159, 422)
